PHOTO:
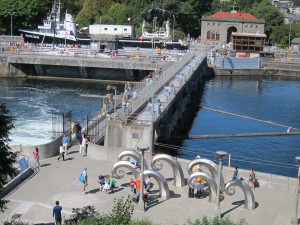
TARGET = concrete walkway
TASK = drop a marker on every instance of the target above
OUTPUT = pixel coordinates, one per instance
(33, 200)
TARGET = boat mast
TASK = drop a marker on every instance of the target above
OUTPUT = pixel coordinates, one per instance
(56, 11)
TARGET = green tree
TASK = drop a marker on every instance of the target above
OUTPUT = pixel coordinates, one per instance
(272, 17)
(91, 10)
(7, 157)
(119, 13)
(27, 13)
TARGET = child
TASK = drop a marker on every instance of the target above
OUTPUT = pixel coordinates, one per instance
(101, 182)
(235, 173)
(61, 152)
(132, 183)
(112, 184)
(106, 185)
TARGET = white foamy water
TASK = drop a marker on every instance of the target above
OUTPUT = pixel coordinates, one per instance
(33, 103)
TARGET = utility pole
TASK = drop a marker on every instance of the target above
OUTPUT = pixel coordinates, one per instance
(100, 35)
(173, 26)
(11, 24)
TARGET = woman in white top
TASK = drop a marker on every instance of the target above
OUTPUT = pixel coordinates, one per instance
(83, 144)
(61, 152)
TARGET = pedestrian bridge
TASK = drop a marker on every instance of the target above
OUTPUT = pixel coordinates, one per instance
(155, 111)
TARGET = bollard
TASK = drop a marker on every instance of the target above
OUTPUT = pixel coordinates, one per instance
(229, 160)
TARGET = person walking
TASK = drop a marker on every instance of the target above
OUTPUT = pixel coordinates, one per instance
(80, 143)
(149, 184)
(200, 187)
(85, 180)
(87, 141)
(83, 145)
(192, 190)
(137, 185)
(36, 157)
(251, 178)
(235, 173)
(57, 213)
(61, 152)
(65, 142)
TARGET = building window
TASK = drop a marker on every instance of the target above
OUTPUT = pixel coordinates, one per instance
(217, 36)
(213, 24)
(125, 29)
(246, 25)
(208, 36)
(218, 24)
(208, 24)
(213, 36)
(256, 26)
(251, 26)
(115, 29)
(105, 28)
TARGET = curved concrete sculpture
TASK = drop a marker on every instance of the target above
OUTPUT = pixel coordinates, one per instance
(133, 154)
(248, 193)
(115, 171)
(211, 166)
(212, 185)
(176, 167)
(162, 182)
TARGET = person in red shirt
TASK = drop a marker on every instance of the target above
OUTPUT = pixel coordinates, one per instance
(36, 157)
(132, 183)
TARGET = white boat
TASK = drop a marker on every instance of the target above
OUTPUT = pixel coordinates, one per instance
(55, 31)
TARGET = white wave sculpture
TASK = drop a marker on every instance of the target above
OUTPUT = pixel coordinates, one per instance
(178, 175)
(248, 193)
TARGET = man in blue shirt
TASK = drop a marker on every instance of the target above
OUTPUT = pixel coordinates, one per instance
(57, 213)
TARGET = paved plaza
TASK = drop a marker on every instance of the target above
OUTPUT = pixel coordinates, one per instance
(58, 180)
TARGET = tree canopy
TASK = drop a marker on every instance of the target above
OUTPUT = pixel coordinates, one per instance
(185, 15)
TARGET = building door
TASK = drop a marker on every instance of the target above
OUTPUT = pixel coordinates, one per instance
(229, 32)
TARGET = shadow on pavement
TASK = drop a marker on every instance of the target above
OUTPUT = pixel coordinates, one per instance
(125, 185)
(117, 190)
(93, 191)
(237, 203)
(69, 159)
(46, 164)
(72, 152)
(173, 195)
(153, 201)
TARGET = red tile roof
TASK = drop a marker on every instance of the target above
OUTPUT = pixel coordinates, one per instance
(240, 15)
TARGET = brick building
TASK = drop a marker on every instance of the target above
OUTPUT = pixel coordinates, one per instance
(219, 26)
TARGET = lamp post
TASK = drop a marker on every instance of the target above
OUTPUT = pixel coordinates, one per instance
(220, 155)
(173, 25)
(294, 219)
(109, 87)
(290, 31)
(141, 205)
(11, 24)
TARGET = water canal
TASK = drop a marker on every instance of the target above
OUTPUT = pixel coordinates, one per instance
(33, 103)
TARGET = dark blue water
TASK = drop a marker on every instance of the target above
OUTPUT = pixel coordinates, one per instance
(272, 100)
(33, 102)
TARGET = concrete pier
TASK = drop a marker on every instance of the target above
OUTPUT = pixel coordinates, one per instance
(126, 68)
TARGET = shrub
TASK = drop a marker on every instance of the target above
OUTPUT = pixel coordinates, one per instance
(215, 221)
